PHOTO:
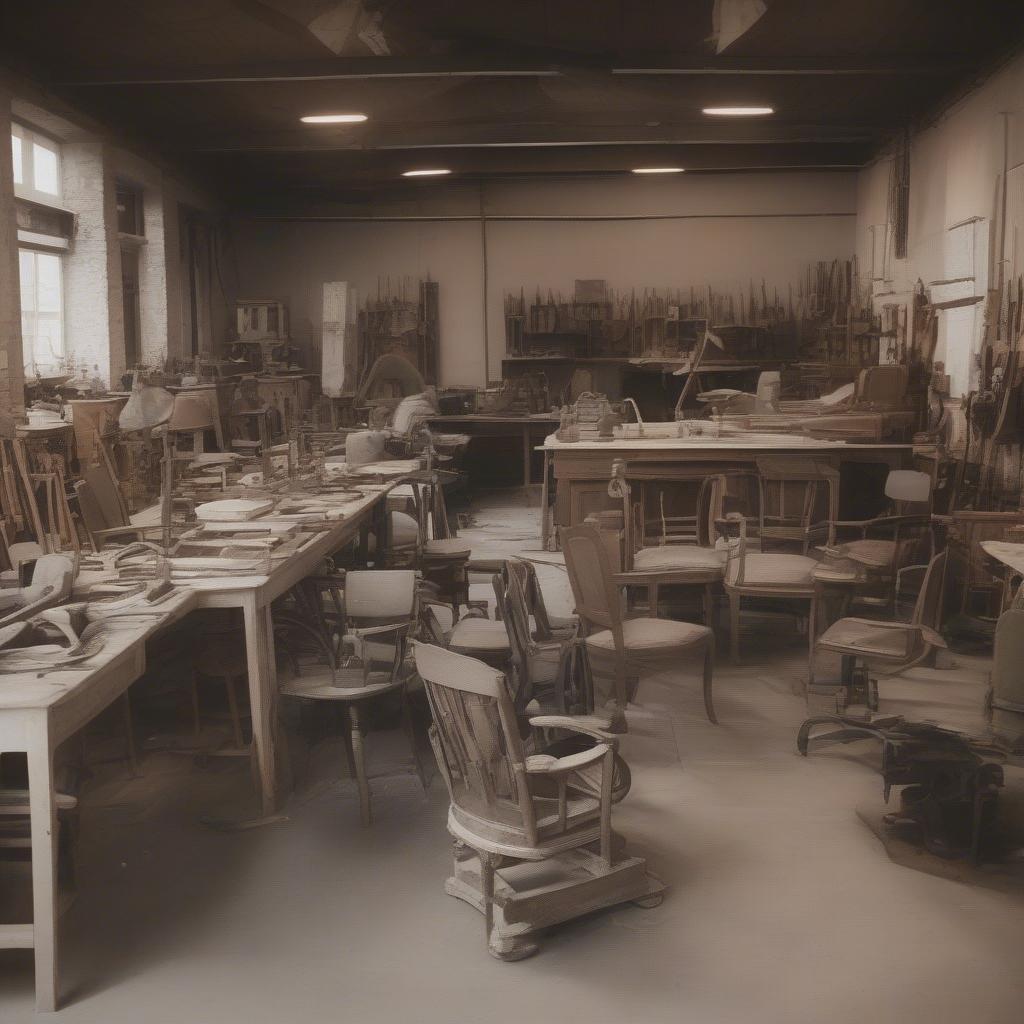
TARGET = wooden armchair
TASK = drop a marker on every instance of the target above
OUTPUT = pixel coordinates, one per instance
(366, 662)
(778, 575)
(886, 646)
(628, 645)
(509, 809)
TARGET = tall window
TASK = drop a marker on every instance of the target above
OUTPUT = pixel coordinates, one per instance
(42, 312)
(36, 165)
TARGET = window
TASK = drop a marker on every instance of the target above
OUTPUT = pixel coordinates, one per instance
(130, 219)
(36, 165)
(42, 312)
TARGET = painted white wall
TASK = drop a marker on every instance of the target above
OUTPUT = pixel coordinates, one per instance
(955, 167)
(722, 230)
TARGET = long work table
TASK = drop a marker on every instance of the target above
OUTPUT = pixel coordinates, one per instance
(579, 471)
(38, 710)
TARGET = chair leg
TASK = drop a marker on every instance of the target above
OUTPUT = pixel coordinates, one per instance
(360, 760)
(709, 605)
(653, 599)
(734, 626)
(236, 718)
(709, 671)
(410, 732)
(487, 892)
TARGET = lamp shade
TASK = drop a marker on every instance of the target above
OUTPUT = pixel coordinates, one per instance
(908, 485)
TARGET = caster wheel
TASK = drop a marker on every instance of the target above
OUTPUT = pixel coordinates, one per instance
(514, 951)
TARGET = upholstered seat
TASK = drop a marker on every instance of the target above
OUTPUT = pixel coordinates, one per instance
(450, 547)
(679, 556)
(480, 636)
(859, 636)
(774, 569)
(404, 530)
(873, 552)
(650, 634)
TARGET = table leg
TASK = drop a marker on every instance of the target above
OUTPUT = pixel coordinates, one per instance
(544, 529)
(43, 814)
(259, 648)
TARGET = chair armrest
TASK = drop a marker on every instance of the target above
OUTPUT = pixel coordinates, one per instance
(545, 764)
(586, 725)
(486, 565)
(929, 634)
(398, 628)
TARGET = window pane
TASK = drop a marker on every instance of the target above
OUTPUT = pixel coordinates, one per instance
(45, 165)
(16, 151)
(48, 347)
(48, 283)
(27, 268)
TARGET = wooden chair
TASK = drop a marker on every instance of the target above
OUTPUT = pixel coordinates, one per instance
(670, 564)
(630, 644)
(104, 513)
(366, 663)
(509, 809)
(777, 575)
(883, 645)
(799, 499)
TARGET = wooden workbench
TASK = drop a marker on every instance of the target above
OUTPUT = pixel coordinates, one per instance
(39, 711)
(579, 471)
(531, 429)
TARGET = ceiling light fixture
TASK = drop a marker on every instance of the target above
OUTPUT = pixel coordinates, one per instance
(738, 111)
(334, 119)
(426, 172)
(657, 170)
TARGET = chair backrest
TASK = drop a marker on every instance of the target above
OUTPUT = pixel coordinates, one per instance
(476, 742)
(382, 595)
(513, 603)
(597, 598)
(796, 492)
(928, 607)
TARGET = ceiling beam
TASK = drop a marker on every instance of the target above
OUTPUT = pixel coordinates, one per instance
(350, 68)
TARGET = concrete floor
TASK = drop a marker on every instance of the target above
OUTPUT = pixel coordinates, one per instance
(782, 905)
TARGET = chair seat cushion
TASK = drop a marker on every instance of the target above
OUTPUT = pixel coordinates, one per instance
(650, 634)
(774, 569)
(680, 556)
(319, 684)
(452, 547)
(860, 637)
(877, 553)
(475, 634)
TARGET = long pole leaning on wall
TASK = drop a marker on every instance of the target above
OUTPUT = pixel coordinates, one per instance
(483, 283)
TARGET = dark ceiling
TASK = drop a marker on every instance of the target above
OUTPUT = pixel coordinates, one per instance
(493, 89)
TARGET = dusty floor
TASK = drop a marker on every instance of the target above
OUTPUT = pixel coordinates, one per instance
(782, 905)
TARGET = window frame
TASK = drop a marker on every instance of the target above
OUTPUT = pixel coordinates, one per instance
(30, 138)
(30, 366)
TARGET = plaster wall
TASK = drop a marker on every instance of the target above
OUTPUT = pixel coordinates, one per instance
(721, 230)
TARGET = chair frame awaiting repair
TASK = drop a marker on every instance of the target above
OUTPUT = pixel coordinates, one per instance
(508, 809)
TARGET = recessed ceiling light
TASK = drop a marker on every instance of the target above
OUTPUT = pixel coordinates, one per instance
(657, 170)
(738, 111)
(425, 172)
(333, 118)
